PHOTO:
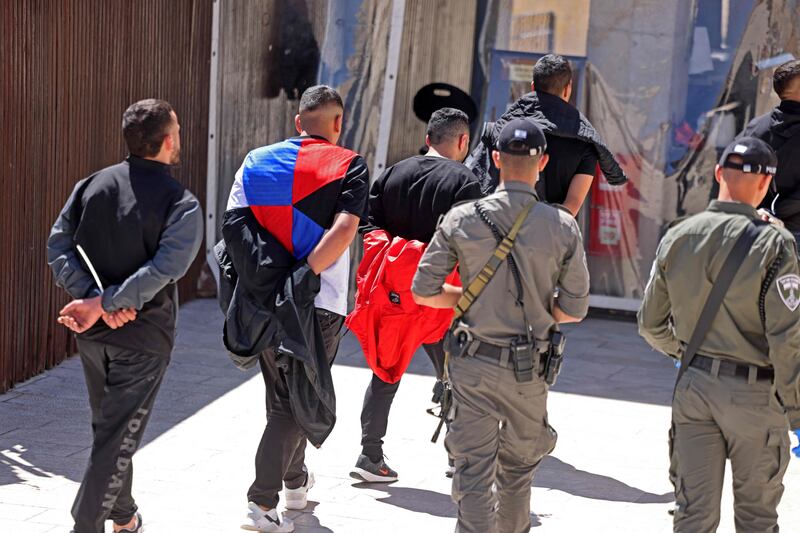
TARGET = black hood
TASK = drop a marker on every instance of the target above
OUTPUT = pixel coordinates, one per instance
(785, 119)
(780, 128)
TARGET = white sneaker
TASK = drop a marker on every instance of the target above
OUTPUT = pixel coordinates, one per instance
(297, 499)
(266, 521)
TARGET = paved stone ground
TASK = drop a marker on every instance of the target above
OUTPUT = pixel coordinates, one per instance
(607, 474)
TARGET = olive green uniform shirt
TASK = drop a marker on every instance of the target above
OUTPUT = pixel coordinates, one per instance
(687, 263)
(548, 253)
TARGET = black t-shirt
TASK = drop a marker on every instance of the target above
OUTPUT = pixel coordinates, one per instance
(567, 158)
(353, 194)
(410, 196)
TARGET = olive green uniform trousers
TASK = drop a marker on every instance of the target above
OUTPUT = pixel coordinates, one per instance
(715, 418)
(498, 436)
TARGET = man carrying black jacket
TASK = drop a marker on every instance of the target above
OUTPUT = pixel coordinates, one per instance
(126, 235)
(780, 128)
(294, 204)
(407, 201)
(574, 147)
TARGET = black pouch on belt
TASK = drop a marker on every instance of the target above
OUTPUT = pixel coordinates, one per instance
(555, 358)
(522, 357)
(457, 340)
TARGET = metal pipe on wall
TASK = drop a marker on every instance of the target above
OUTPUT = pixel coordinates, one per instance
(213, 121)
(389, 86)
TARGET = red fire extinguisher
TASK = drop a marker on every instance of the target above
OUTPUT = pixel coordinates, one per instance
(614, 215)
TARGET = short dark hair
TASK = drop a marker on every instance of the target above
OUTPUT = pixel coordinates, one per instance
(447, 123)
(785, 75)
(319, 96)
(551, 74)
(145, 125)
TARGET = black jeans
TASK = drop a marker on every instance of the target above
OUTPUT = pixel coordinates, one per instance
(282, 452)
(378, 402)
(122, 388)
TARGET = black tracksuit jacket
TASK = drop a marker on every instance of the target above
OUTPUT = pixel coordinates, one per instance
(141, 230)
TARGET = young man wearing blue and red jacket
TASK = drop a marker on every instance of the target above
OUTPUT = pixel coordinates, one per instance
(309, 195)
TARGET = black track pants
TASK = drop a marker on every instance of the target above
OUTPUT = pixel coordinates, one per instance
(281, 455)
(378, 402)
(122, 388)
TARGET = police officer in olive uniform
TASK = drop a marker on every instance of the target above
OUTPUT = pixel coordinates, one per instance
(724, 405)
(504, 344)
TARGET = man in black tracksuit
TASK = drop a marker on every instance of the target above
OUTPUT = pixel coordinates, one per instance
(407, 201)
(780, 128)
(140, 230)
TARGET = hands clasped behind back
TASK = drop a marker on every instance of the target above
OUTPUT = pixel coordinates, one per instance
(80, 315)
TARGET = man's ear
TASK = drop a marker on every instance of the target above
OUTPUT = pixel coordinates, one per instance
(533, 89)
(496, 158)
(568, 91)
(337, 123)
(463, 141)
(168, 144)
(428, 141)
(718, 173)
(766, 181)
(297, 124)
(543, 161)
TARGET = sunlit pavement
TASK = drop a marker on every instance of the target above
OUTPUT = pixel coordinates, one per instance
(607, 474)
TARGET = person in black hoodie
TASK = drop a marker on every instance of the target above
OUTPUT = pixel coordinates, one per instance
(780, 128)
(127, 234)
(574, 146)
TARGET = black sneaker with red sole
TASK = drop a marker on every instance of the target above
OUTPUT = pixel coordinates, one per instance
(366, 470)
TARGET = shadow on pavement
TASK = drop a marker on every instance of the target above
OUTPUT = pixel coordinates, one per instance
(558, 475)
(552, 474)
(45, 427)
(306, 521)
(416, 500)
(604, 359)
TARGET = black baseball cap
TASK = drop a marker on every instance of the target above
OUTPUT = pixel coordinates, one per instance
(757, 156)
(522, 136)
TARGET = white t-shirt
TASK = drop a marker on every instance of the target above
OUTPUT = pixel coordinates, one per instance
(334, 285)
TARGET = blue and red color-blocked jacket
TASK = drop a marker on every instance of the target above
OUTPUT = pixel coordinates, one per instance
(293, 188)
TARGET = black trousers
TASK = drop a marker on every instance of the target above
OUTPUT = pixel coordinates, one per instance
(122, 388)
(378, 402)
(282, 452)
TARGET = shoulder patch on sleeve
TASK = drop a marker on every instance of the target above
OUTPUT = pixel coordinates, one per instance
(789, 290)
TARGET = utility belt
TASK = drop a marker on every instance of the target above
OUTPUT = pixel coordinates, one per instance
(542, 358)
(721, 367)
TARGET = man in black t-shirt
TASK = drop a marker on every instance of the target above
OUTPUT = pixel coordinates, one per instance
(568, 176)
(410, 196)
(574, 147)
(407, 201)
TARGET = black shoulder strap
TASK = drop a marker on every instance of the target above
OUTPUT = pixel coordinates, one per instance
(718, 291)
